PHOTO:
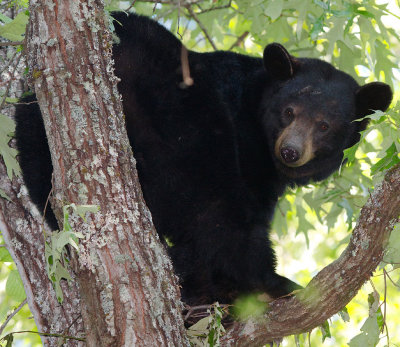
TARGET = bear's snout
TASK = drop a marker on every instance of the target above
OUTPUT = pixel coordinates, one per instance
(294, 146)
(290, 154)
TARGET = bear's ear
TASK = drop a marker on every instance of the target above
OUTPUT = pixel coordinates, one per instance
(373, 96)
(278, 62)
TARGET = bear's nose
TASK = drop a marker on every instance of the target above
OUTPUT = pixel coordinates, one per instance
(289, 154)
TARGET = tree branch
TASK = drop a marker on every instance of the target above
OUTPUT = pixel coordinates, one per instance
(11, 315)
(24, 239)
(201, 25)
(11, 43)
(239, 40)
(334, 286)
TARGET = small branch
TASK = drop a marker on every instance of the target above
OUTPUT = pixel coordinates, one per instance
(11, 43)
(187, 80)
(239, 40)
(387, 274)
(11, 315)
(216, 8)
(46, 334)
(202, 27)
(172, 2)
(25, 103)
(131, 5)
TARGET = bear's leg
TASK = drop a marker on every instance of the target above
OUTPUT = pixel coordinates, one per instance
(225, 255)
(34, 155)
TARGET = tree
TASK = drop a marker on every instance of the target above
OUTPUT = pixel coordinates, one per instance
(134, 270)
(104, 308)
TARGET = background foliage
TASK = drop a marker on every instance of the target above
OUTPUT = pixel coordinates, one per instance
(312, 225)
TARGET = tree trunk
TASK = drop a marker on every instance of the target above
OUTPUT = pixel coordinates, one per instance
(129, 294)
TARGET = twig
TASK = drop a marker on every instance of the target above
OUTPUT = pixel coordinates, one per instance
(215, 8)
(202, 27)
(385, 306)
(131, 5)
(187, 80)
(179, 21)
(239, 40)
(387, 274)
(46, 334)
(172, 2)
(11, 43)
(11, 315)
(46, 204)
(192, 309)
(25, 103)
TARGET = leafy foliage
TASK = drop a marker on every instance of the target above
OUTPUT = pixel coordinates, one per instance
(55, 247)
(207, 331)
(14, 30)
(7, 127)
(371, 328)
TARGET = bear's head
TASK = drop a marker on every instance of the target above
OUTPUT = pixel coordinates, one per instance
(309, 111)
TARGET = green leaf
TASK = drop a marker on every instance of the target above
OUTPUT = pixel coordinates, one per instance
(325, 330)
(322, 4)
(393, 248)
(15, 30)
(5, 255)
(365, 13)
(349, 154)
(248, 306)
(344, 314)
(389, 160)
(198, 329)
(4, 195)
(14, 286)
(274, 9)
(65, 238)
(372, 326)
(349, 211)
(317, 27)
(9, 338)
(302, 8)
(81, 210)
(7, 127)
(5, 19)
(377, 116)
(12, 100)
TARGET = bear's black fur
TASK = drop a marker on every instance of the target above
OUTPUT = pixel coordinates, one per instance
(213, 158)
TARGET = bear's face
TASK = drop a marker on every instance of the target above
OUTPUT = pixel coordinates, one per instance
(309, 116)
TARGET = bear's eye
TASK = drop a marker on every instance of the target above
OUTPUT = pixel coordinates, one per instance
(289, 114)
(323, 126)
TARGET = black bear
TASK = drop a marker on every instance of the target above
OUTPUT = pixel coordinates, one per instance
(214, 157)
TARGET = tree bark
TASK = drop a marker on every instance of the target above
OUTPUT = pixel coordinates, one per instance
(129, 293)
(23, 235)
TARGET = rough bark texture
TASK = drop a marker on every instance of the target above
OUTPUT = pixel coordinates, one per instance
(336, 284)
(129, 294)
(23, 235)
(21, 228)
